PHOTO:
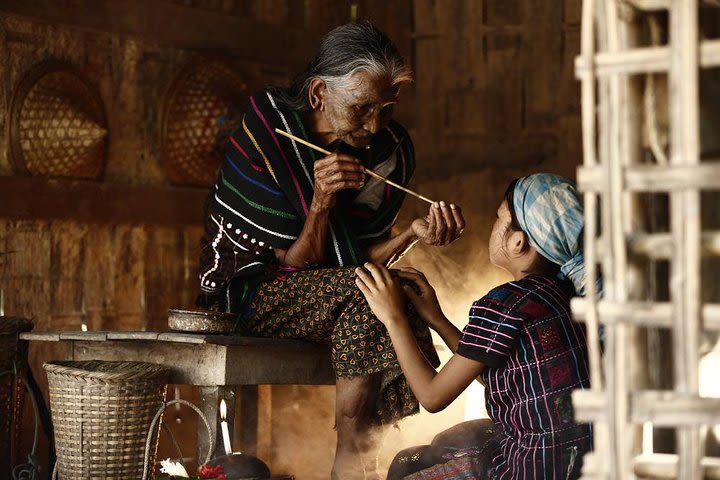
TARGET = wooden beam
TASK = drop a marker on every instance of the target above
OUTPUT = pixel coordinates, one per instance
(647, 314)
(665, 408)
(650, 5)
(660, 407)
(174, 25)
(642, 60)
(665, 466)
(658, 246)
(39, 198)
(654, 178)
(658, 5)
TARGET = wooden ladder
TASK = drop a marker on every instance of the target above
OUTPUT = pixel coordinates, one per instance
(612, 178)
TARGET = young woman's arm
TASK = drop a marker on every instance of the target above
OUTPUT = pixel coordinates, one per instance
(434, 390)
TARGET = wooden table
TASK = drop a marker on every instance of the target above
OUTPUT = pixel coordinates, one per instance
(218, 364)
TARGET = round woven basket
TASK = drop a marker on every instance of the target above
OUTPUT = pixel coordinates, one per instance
(101, 413)
(200, 109)
(57, 124)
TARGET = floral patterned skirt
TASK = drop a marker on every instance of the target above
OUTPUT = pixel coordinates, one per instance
(325, 305)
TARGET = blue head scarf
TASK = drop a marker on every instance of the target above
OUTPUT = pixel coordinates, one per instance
(550, 212)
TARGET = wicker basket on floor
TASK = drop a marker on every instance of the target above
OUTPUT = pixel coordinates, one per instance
(101, 413)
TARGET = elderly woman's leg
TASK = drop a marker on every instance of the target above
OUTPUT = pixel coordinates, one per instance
(354, 404)
(326, 306)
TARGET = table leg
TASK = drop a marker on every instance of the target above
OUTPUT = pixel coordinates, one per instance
(210, 397)
(249, 418)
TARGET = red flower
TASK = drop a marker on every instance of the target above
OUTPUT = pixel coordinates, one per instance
(215, 472)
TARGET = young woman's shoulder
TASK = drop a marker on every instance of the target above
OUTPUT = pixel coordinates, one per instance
(527, 292)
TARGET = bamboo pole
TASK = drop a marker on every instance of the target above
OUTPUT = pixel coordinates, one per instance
(643, 60)
(367, 170)
(655, 178)
(589, 129)
(648, 314)
(587, 47)
(685, 221)
(665, 466)
(650, 5)
(617, 138)
(659, 246)
(609, 470)
(661, 407)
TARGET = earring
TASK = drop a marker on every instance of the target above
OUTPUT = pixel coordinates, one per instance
(322, 106)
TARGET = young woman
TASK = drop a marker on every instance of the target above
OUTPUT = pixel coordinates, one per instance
(520, 339)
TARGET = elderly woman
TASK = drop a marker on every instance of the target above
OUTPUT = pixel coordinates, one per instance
(285, 227)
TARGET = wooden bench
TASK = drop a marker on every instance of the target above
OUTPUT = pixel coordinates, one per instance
(222, 366)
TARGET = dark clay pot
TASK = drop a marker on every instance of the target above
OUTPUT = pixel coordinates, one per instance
(241, 466)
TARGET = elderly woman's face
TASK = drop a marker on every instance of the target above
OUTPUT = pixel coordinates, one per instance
(357, 113)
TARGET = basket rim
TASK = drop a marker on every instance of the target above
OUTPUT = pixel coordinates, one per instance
(120, 369)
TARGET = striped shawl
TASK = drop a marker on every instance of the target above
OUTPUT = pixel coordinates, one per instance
(265, 187)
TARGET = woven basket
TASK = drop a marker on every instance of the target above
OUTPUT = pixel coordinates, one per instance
(101, 413)
(200, 109)
(57, 124)
(13, 357)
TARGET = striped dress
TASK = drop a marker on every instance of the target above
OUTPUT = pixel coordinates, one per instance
(535, 357)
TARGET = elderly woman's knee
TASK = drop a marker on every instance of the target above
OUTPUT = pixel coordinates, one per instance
(355, 396)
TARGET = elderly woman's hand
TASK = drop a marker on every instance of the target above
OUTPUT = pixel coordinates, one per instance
(443, 225)
(334, 173)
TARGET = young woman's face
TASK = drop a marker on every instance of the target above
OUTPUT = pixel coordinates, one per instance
(498, 237)
(358, 113)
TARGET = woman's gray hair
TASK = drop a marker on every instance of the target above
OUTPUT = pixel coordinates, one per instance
(344, 51)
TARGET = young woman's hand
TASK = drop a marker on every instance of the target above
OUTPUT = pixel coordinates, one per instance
(382, 292)
(422, 295)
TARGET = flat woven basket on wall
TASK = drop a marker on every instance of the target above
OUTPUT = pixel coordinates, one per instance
(57, 124)
(200, 109)
(101, 414)
(13, 355)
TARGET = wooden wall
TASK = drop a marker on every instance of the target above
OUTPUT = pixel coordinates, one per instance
(494, 84)
(494, 98)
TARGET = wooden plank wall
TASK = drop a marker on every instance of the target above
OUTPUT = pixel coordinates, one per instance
(495, 85)
(494, 98)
